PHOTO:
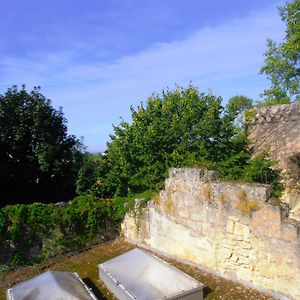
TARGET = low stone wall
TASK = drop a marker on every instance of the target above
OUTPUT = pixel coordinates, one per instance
(231, 228)
(51, 247)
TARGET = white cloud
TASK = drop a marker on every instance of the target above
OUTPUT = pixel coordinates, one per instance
(225, 58)
(210, 54)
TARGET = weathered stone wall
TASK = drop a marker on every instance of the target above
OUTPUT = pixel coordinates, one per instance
(231, 228)
(52, 246)
(277, 129)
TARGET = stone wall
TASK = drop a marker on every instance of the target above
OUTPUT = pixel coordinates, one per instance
(277, 129)
(231, 228)
(44, 248)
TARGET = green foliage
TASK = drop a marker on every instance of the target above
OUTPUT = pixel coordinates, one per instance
(282, 60)
(276, 101)
(23, 224)
(88, 174)
(56, 228)
(39, 161)
(180, 127)
(249, 115)
(233, 167)
(259, 169)
(238, 104)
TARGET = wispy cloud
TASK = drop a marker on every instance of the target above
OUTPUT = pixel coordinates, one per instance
(225, 58)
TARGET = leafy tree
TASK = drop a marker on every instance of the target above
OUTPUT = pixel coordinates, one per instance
(89, 174)
(179, 128)
(282, 61)
(238, 105)
(39, 161)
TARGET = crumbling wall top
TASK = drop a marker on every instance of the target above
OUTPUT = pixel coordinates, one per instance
(192, 174)
(275, 113)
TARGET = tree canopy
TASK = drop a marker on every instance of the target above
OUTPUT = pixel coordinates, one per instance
(282, 60)
(39, 160)
(178, 128)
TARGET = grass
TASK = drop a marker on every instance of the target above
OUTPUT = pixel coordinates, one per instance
(207, 192)
(223, 199)
(170, 208)
(247, 206)
(85, 264)
(156, 198)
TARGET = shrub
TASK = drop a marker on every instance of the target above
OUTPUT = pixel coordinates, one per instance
(57, 228)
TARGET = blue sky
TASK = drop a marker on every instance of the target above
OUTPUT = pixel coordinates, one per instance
(96, 58)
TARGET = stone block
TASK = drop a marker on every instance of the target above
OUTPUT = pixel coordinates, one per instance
(242, 230)
(183, 213)
(224, 254)
(237, 238)
(239, 229)
(196, 217)
(245, 245)
(204, 243)
(243, 252)
(228, 243)
(290, 231)
(186, 173)
(230, 226)
(192, 174)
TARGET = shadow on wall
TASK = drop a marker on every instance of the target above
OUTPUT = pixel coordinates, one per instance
(295, 166)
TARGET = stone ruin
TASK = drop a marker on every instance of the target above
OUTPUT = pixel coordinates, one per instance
(276, 129)
(235, 230)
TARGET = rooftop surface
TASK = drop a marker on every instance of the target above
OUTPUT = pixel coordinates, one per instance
(51, 285)
(145, 276)
(86, 262)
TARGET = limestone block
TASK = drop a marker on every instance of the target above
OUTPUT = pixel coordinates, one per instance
(224, 254)
(237, 238)
(198, 217)
(234, 258)
(230, 226)
(245, 245)
(241, 230)
(290, 231)
(266, 221)
(204, 243)
(295, 212)
(192, 174)
(183, 213)
(244, 273)
(246, 232)
(243, 252)
(228, 243)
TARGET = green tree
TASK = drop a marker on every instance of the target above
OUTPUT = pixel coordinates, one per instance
(178, 128)
(282, 61)
(237, 105)
(89, 174)
(39, 161)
